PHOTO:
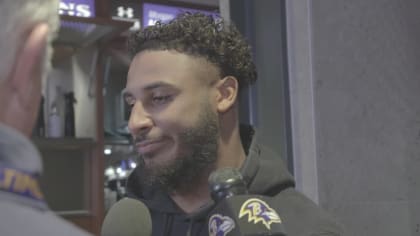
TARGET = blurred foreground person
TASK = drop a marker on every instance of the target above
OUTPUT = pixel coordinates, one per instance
(27, 28)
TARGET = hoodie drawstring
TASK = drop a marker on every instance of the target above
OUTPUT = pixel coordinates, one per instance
(167, 224)
(190, 228)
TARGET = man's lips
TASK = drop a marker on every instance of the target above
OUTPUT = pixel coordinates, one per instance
(149, 146)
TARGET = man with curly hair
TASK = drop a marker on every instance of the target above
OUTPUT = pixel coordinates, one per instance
(183, 86)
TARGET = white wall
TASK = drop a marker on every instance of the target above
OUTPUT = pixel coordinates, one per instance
(364, 72)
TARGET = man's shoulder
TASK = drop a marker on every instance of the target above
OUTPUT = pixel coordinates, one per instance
(25, 220)
(302, 217)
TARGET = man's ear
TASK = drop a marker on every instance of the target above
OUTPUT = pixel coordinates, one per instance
(29, 58)
(228, 88)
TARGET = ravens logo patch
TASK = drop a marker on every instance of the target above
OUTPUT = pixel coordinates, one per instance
(259, 211)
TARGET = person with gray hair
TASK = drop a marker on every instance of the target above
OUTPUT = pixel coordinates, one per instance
(26, 30)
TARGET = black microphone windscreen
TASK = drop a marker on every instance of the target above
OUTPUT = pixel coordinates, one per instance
(127, 217)
(224, 175)
(226, 182)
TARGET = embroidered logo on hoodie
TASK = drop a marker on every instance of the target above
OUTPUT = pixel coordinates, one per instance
(220, 225)
(259, 211)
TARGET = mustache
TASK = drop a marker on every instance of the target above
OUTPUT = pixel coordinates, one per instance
(138, 138)
(143, 138)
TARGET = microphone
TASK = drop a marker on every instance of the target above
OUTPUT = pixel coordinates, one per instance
(127, 217)
(238, 213)
(225, 183)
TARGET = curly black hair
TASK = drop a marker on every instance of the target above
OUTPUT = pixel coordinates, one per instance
(204, 36)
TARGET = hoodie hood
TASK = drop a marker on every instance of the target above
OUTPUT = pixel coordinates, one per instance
(261, 175)
(263, 170)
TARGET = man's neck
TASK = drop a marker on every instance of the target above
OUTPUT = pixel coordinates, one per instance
(231, 151)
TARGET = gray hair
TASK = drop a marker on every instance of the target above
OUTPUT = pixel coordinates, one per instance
(17, 17)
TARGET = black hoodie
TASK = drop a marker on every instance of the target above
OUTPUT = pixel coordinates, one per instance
(265, 174)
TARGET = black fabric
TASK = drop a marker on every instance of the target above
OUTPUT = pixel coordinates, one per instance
(265, 174)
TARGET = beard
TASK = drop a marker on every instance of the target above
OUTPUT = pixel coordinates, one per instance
(194, 160)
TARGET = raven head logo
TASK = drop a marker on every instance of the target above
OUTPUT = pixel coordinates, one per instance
(259, 211)
(220, 225)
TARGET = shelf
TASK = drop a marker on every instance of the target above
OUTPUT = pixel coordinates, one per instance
(79, 32)
(65, 143)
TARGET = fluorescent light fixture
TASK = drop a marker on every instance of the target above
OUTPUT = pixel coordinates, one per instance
(107, 151)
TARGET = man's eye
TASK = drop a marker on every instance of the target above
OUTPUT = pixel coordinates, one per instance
(130, 103)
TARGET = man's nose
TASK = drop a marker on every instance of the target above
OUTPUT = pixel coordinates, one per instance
(140, 121)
